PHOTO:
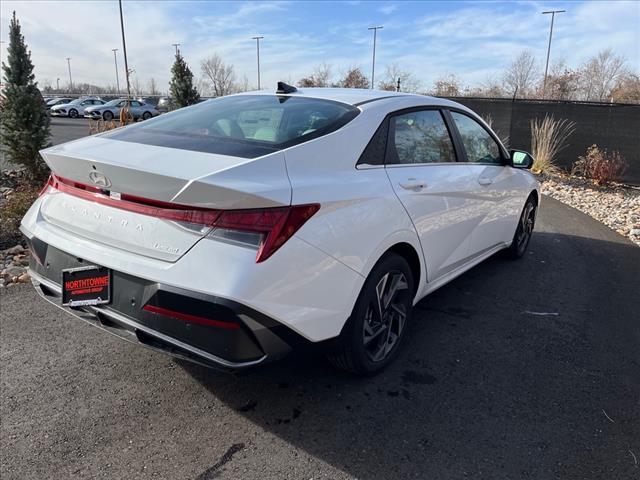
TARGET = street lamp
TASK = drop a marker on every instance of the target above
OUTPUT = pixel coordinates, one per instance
(58, 85)
(115, 60)
(70, 80)
(176, 45)
(373, 64)
(124, 49)
(257, 39)
(546, 68)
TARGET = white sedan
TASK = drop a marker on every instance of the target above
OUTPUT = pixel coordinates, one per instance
(231, 231)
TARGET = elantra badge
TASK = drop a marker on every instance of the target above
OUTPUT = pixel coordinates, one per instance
(100, 179)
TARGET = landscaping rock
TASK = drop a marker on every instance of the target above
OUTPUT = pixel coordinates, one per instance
(15, 250)
(24, 278)
(616, 205)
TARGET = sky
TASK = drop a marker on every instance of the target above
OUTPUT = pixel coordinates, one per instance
(473, 40)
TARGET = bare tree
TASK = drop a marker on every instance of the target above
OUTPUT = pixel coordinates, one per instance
(600, 74)
(520, 77)
(221, 76)
(153, 87)
(393, 73)
(321, 77)
(562, 83)
(627, 89)
(447, 86)
(354, 78)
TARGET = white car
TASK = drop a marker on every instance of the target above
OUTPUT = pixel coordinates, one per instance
(234, 230)
(75, 108)
(110, 110)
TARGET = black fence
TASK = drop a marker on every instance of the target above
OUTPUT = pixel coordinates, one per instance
(610, 126)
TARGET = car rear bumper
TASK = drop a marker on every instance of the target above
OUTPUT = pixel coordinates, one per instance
(245, 339)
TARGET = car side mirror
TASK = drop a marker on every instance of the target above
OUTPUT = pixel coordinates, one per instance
(521, 159)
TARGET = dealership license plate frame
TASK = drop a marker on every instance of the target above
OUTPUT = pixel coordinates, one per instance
(98, 294)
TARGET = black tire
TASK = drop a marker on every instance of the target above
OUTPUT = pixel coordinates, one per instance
(107, 115)
(73, 113)
(524, 230)
(146, 115)
(366, 346)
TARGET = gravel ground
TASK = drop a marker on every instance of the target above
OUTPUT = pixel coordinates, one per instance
(617, 206)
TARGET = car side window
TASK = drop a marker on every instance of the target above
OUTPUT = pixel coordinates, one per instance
(478, 143)
(419, 137)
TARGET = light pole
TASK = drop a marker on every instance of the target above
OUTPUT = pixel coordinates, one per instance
(1, 75)
(176, 45)
(257, 39)
(373, 64)
(546, 68)
(115, 60)
(58, 85)
(70, 80)
(124, 49)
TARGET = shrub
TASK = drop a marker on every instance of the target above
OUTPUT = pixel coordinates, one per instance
(11, 212)
(548, 138)
(600, 165)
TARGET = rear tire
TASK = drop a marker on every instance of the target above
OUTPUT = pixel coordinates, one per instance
(146, 115)
(73, 113)
(371, 338)
(526, 223)
(108, 115)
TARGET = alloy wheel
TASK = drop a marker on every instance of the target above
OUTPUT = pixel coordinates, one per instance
(526, 226)
(386, 316)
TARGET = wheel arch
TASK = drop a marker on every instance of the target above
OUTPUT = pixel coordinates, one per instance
(406, 251)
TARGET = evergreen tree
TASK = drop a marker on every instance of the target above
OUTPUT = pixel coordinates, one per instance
(24, 123)
(181, 88)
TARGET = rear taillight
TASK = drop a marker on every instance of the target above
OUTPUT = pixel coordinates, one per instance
(265, 229)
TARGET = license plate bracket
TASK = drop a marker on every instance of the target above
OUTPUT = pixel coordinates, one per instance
(82, 286)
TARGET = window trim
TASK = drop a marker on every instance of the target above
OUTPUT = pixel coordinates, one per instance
(501, 148)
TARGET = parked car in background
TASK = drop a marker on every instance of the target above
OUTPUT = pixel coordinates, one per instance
(75, 108)
(58, 101)
(233, 230)
(164, 104)
(111, 110)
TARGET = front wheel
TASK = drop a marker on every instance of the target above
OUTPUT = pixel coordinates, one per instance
(107, 115)
(372, 336)
(146, 115)
(524, 230)
(73, 113)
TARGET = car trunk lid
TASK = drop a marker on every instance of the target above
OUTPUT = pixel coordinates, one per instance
(99, 180)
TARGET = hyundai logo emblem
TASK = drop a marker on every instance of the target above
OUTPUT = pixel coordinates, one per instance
(100, 179)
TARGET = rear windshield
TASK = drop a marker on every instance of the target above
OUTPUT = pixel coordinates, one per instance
(244, 126)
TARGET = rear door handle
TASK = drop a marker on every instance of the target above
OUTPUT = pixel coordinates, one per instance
(413, 184)
(485, 181)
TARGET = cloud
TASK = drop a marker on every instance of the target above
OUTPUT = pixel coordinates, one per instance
(388, 9)
(472, 40)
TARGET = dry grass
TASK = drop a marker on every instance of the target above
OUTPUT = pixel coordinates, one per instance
(488, 119)
(548, 138)
(12, 211)
(99, 126)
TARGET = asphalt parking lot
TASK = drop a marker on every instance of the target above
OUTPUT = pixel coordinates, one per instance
(520, 370)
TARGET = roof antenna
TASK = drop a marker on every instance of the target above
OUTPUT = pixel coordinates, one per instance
(284, 88)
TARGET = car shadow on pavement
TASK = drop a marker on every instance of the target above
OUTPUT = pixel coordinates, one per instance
(506, 373)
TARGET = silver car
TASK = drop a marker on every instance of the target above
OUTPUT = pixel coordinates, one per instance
(111, 110)
(75, 108)
(57, 101)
